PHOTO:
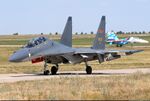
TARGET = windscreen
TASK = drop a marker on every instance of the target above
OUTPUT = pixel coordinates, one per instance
(35, 41)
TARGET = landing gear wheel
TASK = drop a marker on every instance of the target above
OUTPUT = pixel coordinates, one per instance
(54, 70)
(88, 69)
(46, 72)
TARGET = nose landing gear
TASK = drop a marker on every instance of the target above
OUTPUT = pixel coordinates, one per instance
(54, 69)
(46, 72)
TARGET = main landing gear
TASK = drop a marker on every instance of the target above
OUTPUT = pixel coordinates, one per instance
(54, 69)
(88, 68)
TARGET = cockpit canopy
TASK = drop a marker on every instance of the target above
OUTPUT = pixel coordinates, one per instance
(36, 41)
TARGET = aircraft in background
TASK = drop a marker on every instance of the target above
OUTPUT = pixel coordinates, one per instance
(42, 49)
(112, 38)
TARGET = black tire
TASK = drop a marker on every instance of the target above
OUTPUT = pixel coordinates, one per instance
(89, 70)
(46, 72)
(54, 70)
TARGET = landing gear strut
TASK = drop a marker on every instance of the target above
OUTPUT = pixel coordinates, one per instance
(88, 68)
(46, 72)
(54, 70)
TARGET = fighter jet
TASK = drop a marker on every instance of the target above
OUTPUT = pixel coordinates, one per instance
(112, 38)
(51, 52)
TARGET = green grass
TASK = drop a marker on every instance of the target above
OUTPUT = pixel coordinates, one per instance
(13, 42)
(23, 42)
(77, 40)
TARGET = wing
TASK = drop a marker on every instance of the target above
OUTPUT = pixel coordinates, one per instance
(115, 54)
(104, 55)
(127, 52)
(136, 40)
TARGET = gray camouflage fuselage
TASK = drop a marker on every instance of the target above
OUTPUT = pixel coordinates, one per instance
(43, 49)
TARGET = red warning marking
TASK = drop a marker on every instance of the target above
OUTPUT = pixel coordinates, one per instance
(100, 39)
(36, 60)
(101, 30)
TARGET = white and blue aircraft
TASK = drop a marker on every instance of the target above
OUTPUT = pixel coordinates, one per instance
(112, 38)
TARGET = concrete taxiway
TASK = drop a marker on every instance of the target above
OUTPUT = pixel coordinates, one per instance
(7, 78)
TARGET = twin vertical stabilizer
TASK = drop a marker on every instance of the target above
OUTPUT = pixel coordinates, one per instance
(99, 41)
(66, 37)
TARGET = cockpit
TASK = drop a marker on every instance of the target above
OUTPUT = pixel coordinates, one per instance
(35, 41)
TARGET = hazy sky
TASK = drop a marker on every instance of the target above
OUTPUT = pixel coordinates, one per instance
(36, 16)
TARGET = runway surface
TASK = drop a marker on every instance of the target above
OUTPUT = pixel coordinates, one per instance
(7, 78)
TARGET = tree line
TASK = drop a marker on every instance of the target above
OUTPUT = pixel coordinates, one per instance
(84, 33)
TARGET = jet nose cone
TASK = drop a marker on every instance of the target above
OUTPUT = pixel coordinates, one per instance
(19, 56)
(12, 58)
